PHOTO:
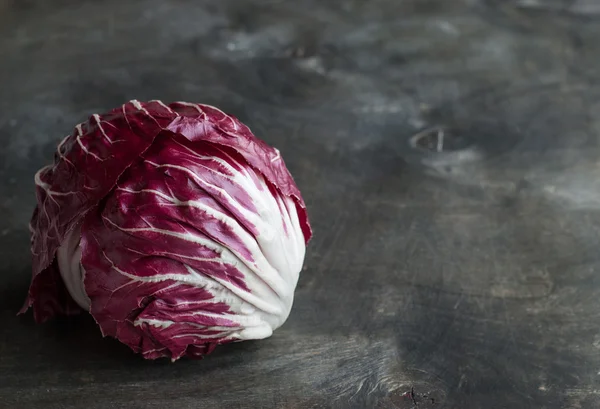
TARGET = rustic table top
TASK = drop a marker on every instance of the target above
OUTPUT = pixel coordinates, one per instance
(448, 153)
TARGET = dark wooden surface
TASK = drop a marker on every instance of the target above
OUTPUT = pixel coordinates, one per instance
(461, 277)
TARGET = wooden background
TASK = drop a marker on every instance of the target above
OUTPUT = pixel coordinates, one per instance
(448, 153)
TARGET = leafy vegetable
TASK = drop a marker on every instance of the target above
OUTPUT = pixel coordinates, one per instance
(173, 225)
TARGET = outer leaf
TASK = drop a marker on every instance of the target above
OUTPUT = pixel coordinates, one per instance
(86, 166)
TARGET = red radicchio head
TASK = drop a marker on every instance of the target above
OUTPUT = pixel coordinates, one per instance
(173, 225)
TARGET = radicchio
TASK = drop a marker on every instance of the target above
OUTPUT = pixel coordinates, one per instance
(173, 225)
